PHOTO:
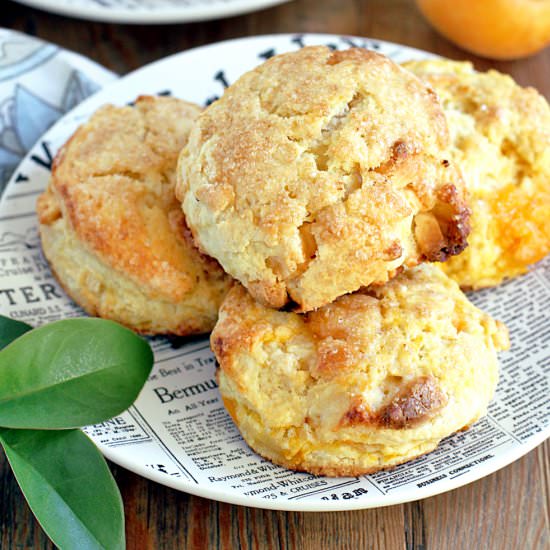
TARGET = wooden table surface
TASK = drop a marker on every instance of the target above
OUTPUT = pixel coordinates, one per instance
(508, 509)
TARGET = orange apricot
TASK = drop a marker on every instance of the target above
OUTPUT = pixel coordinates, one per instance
(499, 29)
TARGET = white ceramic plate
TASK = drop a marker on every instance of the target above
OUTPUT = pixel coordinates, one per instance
(178, 433)
(147, 12)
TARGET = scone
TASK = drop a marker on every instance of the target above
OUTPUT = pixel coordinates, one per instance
(320, 172)
(368, 382)
(500, 136)
(113, 231)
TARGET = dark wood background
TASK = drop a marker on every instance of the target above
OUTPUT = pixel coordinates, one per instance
(507, 510)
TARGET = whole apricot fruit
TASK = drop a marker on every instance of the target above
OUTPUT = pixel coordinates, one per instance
(499, 29)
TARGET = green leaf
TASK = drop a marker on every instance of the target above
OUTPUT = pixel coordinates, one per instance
(10, 330)
(68, 486)
(71, 373)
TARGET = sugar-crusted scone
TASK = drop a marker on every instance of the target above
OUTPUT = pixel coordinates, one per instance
(113, 230)
(368, 382)
(500, 134)
(320, 172)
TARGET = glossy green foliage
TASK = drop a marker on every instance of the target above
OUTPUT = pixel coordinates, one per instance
(71, 373)
(68, 486)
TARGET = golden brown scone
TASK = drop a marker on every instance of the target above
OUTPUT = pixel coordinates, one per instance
(113, 230)
(319, 172)
(500, 136)
(368, 382)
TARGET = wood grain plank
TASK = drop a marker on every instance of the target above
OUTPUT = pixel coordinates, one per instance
(495, 512)
(505, 510)
(18, 528)
(415, 525)
(543, 453)
(376, 528)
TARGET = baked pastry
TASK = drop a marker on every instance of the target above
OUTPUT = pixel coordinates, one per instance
(368, 382)
(113, 231)
(320, 172)
(500, 135)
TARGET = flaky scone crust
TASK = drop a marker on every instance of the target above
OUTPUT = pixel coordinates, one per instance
(113, 230)
(368, 382)
(500, 136)
(320, 172)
